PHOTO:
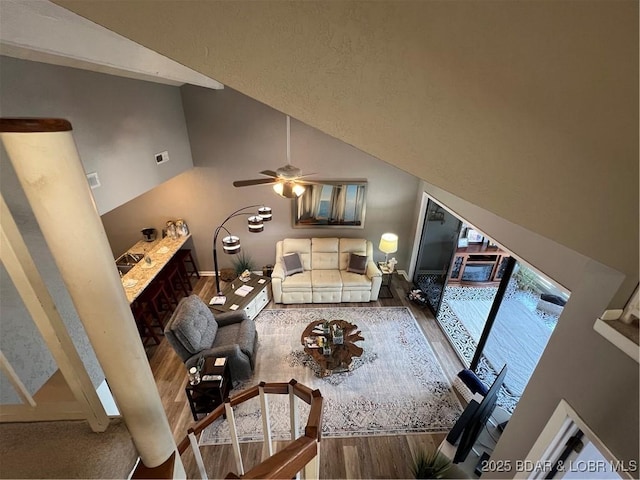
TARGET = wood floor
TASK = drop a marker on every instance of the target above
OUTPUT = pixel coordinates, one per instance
(366, 457)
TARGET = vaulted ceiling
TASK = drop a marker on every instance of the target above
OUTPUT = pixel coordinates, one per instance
(527, 109)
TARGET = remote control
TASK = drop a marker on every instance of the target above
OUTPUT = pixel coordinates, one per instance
(211, 378)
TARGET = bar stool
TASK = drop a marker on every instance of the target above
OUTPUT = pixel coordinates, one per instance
(176, 282)
(156, 305)
(144, 322)
(185, 257)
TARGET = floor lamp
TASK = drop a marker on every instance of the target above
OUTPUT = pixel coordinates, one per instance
(231, 243)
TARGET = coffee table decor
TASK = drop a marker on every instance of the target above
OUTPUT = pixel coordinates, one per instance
(395, 387)
(331, 344)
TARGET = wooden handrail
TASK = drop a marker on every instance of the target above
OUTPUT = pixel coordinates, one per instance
(314, 421)
(243, 396)
(276, 388)
(290, 460)
(287, 462)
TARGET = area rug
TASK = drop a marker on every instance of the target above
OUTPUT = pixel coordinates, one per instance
(396, 387)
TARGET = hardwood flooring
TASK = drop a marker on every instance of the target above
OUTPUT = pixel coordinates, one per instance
(359, 457)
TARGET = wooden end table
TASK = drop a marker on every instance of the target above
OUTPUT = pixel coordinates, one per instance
(342, 354)
(385, 286)
(205, 396)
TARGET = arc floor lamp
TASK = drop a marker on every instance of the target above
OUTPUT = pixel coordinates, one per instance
(231, 243)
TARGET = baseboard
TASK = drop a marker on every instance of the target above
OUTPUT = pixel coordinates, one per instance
(211, 273)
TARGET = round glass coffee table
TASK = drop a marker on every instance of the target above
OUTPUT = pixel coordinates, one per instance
(332, 356)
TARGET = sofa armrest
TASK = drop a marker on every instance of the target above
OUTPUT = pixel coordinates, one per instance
(278, 272)
(229, 318)
(376, 279)
(277, 277)
(373, 270)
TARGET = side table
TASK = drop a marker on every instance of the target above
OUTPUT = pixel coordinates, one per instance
(386, 281)
(205, 396)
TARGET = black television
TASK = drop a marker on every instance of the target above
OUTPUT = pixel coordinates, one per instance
(473, 419)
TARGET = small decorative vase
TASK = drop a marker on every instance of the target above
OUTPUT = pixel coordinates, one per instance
(338, 336)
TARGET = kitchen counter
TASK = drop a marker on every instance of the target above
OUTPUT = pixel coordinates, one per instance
(160, 251)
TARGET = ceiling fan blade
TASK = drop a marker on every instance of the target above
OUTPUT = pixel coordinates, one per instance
(269, 173)
(258, 181)
(306, 175)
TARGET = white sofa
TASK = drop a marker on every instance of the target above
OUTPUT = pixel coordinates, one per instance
(325, 278)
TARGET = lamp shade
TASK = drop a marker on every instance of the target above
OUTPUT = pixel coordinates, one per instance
(231, 244)
(255, 224)
(265, 213)
(388, 243)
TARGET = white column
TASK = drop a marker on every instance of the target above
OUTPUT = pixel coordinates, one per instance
(46, 161)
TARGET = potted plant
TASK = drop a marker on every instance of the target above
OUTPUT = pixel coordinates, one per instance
(241, 263)
(430, 464)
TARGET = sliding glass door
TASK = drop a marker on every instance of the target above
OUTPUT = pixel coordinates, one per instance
(494, 310)
(437, 247)
(525, 316)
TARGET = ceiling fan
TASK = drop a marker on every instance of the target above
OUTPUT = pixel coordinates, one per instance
(286, 179)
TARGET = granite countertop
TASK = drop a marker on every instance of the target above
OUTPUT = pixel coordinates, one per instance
(160, 251)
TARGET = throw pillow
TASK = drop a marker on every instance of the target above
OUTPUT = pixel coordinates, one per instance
(357, 263)
(292, 264)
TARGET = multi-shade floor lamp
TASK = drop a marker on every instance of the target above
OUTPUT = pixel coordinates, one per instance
(231, 243)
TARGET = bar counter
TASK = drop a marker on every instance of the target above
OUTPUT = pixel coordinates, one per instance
(161, 252)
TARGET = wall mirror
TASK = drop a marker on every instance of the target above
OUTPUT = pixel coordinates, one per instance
(331, 204)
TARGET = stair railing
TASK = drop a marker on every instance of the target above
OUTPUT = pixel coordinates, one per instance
(302, 453)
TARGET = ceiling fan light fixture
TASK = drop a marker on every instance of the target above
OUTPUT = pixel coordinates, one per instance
(298, 189)
(289, 189)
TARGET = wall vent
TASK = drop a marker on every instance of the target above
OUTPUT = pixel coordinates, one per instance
(94, 181)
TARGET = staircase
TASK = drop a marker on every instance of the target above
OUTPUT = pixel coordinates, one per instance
(301, 455)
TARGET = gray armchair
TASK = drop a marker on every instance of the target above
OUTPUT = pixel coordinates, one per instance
(194, 332)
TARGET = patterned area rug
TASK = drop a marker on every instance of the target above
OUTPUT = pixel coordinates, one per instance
(396, 387)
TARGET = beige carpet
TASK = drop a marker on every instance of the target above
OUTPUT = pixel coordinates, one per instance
(65, 450)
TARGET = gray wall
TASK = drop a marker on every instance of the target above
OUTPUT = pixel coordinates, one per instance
(118, 125)
(234, 137)
(599, 381)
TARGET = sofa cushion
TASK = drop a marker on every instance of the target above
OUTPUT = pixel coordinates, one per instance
(302, 246)
(324, 253)
(326, 279)
(292, 264)
(357, 263)
(194, 324)
(297, 283)
(243, 334)
(352, 245)
(354, 281)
